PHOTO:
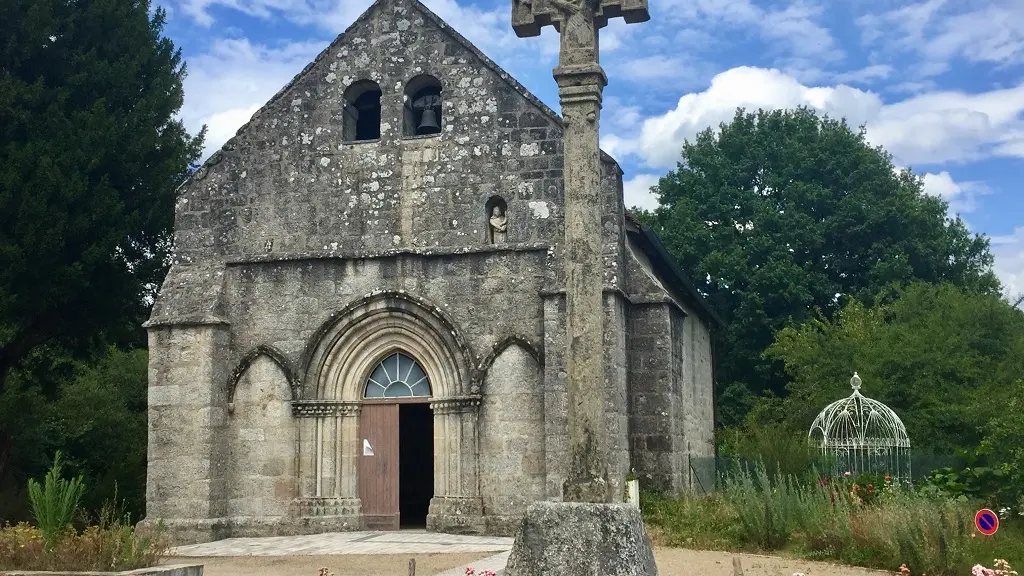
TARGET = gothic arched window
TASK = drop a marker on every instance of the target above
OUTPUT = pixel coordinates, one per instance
(397, 376)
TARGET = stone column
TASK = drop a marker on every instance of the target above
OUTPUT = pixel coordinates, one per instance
(328, 471)
(456, 506)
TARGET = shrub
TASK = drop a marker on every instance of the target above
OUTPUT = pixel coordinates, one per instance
(114, 547)
(55, 503)
(112, 544)
(832, 520)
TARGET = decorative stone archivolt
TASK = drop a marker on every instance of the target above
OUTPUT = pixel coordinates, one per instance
(274, 355)
(500, 345)
(353, 342)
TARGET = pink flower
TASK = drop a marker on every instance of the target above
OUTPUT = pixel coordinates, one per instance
(846, 474)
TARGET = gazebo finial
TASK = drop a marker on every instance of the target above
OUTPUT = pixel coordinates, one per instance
(855, 382)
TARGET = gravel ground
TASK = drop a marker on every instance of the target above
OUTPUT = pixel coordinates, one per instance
(671, 562)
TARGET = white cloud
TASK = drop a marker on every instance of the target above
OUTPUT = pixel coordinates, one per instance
(865, 75)
(1009, 261)
(333, 15)
(226, 85)
(790, 30)
(940, 30)
(962, 196)
(636, 191)
(926, 129)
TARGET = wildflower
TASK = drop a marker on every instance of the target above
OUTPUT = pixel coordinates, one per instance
(847, 474)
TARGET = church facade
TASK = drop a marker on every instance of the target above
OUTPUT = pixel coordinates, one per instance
(363, 325)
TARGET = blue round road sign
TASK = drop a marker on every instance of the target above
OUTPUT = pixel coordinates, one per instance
(986, 521)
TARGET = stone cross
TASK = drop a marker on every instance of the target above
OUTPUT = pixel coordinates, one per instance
(581, 81)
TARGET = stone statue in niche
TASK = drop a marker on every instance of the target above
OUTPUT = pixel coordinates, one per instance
(499, 226)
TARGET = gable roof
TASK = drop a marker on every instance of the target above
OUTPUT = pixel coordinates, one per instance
(433, 19)
(665, 266)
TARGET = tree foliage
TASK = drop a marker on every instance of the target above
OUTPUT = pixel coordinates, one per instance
(90, 158)
(780, 215)
(96, 417)
(947, 360)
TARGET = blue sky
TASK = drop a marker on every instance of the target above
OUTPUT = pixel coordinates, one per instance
(938, 83)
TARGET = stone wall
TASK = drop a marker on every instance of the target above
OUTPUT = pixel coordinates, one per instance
(655, 430)
(187, 410)
(289, 182)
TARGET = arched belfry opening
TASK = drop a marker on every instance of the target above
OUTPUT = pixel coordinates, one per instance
(362, 112)
(423, 106)
(389, 405)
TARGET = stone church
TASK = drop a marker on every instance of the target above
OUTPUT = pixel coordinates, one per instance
(363, 326)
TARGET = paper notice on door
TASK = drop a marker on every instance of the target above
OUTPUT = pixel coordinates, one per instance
(367, 449)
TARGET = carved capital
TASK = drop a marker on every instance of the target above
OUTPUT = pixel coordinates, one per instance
(455, 405)
(324, 408)
(529, 16)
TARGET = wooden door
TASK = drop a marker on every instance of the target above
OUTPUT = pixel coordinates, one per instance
(378, 465)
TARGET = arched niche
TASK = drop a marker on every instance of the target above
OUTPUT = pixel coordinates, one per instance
(423, 110)
(492, 228)
(361, 120)
(262, 480)
(512, 436)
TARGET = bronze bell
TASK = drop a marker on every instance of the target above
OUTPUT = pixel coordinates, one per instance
(428, 123)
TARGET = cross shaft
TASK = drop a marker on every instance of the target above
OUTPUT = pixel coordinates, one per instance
(581, 82)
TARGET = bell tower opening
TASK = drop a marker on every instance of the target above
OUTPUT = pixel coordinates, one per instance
(423, 106)
(362, 112)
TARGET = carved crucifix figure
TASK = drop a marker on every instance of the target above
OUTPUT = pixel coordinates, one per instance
(581, 81)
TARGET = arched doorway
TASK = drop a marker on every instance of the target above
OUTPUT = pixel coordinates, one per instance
(341, 357)
(396, 460)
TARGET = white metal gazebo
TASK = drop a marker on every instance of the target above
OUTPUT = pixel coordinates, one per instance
(858, 434)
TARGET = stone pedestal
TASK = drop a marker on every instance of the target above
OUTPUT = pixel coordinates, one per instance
(581, 539)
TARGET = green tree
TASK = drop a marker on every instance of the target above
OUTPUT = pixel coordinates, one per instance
(781, 215)
(96, 417)
(945, 359)
(90, 158)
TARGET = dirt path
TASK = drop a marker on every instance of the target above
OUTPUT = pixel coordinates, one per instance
(671, 562)
(339, 565)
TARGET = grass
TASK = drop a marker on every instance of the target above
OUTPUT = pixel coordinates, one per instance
(758, 513)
